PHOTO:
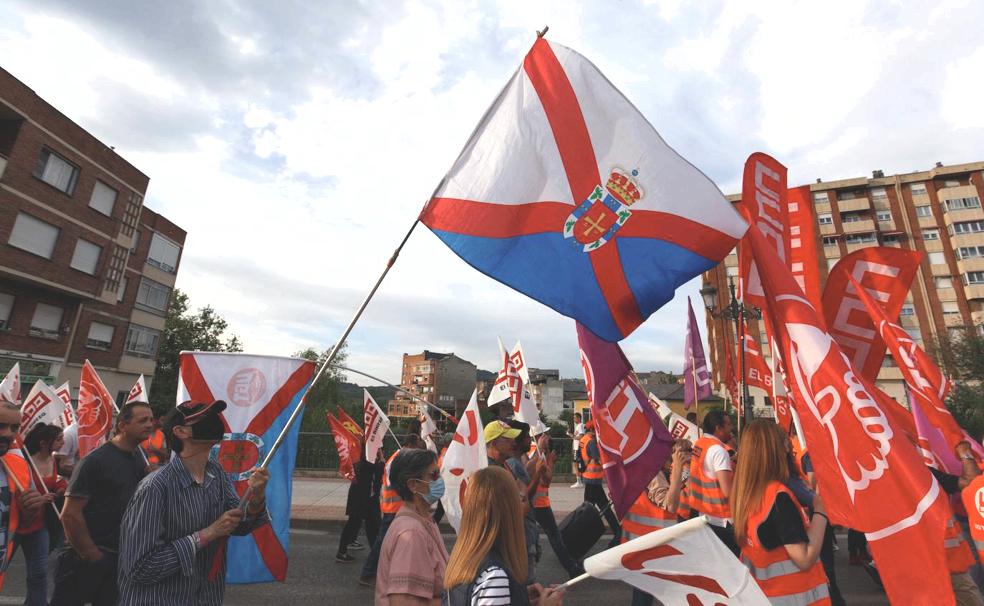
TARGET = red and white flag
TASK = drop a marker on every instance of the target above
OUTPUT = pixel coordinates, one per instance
(465, 455)
(871, 477)
(887, 273)
(65, 394)
(804, 258)
(376, 425)
(683, 564)
(757, 372)
(138, 393)
(95, 411)
(10, 389)
(681, 428)
(427, 427)
(763, 202)
(349, 447)
(513, 383)
(42, 405)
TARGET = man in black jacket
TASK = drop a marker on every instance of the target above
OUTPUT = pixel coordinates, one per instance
(362, 506)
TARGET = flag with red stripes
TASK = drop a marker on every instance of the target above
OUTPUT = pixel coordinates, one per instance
(261, 392)
(566, 193)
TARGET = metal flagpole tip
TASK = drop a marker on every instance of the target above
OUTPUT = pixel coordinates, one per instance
(543, 32)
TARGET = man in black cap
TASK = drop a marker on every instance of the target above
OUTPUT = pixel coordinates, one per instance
(172, 545)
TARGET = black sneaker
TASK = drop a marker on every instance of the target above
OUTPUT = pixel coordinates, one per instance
(355, 546)
(367, 581)
(344, 558)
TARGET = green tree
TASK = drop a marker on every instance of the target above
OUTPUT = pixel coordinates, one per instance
(963, 358)
(204, 330)
(327, 393)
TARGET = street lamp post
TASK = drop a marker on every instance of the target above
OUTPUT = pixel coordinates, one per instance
(739, 314)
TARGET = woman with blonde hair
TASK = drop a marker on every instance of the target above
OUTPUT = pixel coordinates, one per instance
(488, 563)
(778, 544)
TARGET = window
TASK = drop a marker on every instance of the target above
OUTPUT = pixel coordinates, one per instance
(121, 293)
(820, 196)
(825, 219)
(163, 253)
(970, 252)
(845, 195)
(136, 242)
(950, 307)
(931, 234)
(153, 295)
(86, 256)
(830, 241)
(962, 203)
(850, 217)
(967, 227)
(56, 171)
(142, 341)
(891, 239)
(884, 215)
(878, 193)
(974, 277)
(943, 281)
(859, 238)
(46, 321)
(917, 189)
(103, 198)
(951, 183)
(6, 305)
(907, 310)
(937, 258)
(924, 211)
(33, 235)
(100, 336)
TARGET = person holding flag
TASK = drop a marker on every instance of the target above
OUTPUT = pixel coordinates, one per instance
(543, 457)
(19, 502)
(711, 474)
(361, 506)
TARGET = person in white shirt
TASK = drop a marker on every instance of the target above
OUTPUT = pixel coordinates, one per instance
(575, 448)
(68, 455)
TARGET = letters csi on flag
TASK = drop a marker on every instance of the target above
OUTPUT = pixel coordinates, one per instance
(567, 194)
(260, 392)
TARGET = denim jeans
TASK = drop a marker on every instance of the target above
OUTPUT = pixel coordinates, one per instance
(372, 560)
(35, 547)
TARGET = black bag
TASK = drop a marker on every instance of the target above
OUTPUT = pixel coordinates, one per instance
(581, 529)
(579, 461)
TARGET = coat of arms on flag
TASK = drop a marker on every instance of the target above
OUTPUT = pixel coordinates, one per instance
(261, 392)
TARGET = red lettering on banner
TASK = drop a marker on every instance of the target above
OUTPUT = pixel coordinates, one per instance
(625, 431)
(637, 561)
(763, 195)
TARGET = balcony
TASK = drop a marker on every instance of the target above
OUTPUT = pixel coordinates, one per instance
(933, 245)
(958, 240)
(974, 291)
(940, 270)
(929, 221)
(828, 230)
(859, 245)
(971, 264)
(857, 227)
(949, 217)
(946, 294)
(853, 204)
(953, 320)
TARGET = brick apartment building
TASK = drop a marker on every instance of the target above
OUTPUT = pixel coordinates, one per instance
(86, 272)
(444, 380)
(936, 212)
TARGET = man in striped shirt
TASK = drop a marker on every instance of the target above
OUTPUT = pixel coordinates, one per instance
(172, 544)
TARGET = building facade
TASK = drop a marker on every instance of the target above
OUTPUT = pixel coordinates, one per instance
(548, 391)
(936, 212)
(86, 272)
(444, 380)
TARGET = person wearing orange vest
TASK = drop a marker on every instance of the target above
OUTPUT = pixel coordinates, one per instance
(593, 478)
(154, 447)
(544, 460)
(711, 474)
(779, 545)
(389, 504)
(656, 507)
(973, 500)
(19, 502)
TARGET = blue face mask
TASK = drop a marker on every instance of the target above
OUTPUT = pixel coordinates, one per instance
(435, 490)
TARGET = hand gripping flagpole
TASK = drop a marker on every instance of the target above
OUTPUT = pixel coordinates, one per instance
(331, 357)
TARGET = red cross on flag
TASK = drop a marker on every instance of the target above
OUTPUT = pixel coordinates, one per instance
(376, 424)
(513, 383)
(566, 193)
(42, 405)
(65, 394)
(138, 393)
(465, 455)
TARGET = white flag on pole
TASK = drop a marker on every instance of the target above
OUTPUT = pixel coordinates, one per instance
(513, 384)
(376, 425)
(427, 427)
(662, 408)
(65, 394)
(507, 384)
(10, 389)
(681, 428)
(138, 393)
(42, 405)
(682, 564)
(465, 455)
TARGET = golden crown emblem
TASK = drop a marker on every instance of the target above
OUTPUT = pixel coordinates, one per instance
(623, 187)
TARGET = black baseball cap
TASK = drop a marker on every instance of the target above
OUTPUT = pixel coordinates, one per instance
(189, 413)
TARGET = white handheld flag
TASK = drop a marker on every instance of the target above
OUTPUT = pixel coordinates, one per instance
(661, 407)
(427, 427)
(42, 405)
(138, 393)
(376, 425)
(682, 564)
(507, 383)
(465, 455)
(681, 428)
(10, 389)
(65, 394)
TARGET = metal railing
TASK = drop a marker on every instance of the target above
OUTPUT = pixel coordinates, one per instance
(316, 451)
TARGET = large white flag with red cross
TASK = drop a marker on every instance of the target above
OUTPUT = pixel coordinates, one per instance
(465, 455)
(138, 393)
(566, 193)
(260, 393)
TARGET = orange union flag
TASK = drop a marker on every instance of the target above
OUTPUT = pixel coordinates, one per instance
(349, 447)
(95, 410)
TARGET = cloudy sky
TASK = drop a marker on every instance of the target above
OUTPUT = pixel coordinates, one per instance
(297, 141)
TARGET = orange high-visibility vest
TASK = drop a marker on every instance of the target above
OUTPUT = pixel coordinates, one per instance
(644, 517)
(705, 491)
(593, 473)
(14, 464)
(390, 500)
(958, 555)
(541, 498)
(683, 508)
(973, 500)
(153, 444)
(773, 570)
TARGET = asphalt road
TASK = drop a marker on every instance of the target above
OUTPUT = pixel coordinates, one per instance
(315, 578)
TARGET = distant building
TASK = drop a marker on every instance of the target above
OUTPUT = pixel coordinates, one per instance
(484, 380)
(673, 395)
(86, 271)
(444, 380)
(650, 380)
(574, 392)
(548, 391)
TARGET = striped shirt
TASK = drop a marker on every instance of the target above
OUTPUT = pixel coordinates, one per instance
(160, 562)
(491, 588)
